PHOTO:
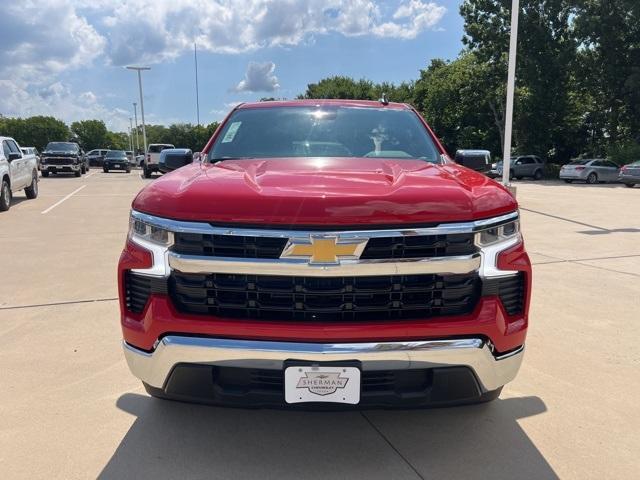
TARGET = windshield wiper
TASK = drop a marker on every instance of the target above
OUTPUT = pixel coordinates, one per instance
(220, 159)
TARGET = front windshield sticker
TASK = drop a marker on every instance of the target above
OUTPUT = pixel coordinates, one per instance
(231, 133)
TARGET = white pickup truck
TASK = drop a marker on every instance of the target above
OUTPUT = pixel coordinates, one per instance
(17, 172)
(153, 156)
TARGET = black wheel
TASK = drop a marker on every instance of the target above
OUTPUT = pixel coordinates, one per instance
(568, 181)
(518, 178)
(510, 175)
(537, 175)
(146, 172)
(77, 173)
(105, 170)
(592, 178)
(45, 173)
(32, 190)
(5, 195)
(83, 169)
(630, 185)
(128, 170)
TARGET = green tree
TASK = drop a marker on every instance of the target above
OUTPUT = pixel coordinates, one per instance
(90, 134)
(34, 131)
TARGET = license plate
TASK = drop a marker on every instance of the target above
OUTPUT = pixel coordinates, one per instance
(117, 165)
(59, 167)
(316, 383)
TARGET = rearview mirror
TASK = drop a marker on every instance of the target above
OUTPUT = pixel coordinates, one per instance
(14, 156)
(173, 161)
(478, 160)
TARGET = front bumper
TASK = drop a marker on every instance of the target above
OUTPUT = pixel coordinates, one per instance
(117, 166)
(446, 357)
(634, 179)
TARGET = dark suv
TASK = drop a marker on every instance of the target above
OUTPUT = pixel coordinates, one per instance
(523, 166)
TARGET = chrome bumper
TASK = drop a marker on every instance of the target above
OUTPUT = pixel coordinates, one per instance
(492, 371)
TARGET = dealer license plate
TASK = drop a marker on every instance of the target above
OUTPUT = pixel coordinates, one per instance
(316, 383)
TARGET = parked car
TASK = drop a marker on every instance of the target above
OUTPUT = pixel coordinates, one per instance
(630, 174)
(96, 157)
(521, 166)
(130, 157)
(140, 161)
(478, 160)
(116, 160)
(590, 171)
(63, 157)
(153, 157)
(31, 151)
(18, 171)
(328, 253)
(172, 158)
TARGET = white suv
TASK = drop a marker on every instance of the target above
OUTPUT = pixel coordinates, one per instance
(17, 172)
(153, 157)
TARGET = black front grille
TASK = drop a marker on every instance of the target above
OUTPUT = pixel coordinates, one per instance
(510, 289)
(325, 299)
(420, 246)
(138, 288)
(60, 161)
(228, 245)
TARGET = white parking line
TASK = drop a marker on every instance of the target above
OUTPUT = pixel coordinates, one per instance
(63, 199)
(92, 173)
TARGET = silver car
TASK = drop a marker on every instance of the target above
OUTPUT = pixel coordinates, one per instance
(590, 171)
(522, 166)
(630, 174)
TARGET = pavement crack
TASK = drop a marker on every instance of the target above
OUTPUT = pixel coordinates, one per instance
(51, 304)
(404, 459)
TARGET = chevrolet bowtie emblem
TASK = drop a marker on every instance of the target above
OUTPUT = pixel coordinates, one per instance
(324, 250)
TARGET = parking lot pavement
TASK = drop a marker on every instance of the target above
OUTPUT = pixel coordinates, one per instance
(70, 408)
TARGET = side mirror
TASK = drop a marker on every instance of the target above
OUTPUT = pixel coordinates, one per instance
(14, 156)
(174, 161)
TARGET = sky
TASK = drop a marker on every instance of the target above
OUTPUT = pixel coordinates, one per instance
(67, 58)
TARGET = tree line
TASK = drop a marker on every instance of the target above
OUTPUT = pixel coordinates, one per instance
(37, 131)
(577, 87)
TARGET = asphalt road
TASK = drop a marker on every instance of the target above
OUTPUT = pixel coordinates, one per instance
(70, 408)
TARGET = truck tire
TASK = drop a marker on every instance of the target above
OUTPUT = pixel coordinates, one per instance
(32, 190)
(568, 181)
(84, 169)
(77, 173)
(105, 169)
(5, 195)
(592, 178)
(630, 185)
(45, 173)
(537, 175)
(146, 172)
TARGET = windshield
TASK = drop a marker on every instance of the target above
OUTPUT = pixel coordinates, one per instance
(580, 162)
(115, 154)
(61, 147)
(158, 148)
(324, 132)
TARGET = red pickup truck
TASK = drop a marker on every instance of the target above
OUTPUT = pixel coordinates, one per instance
(324, 253)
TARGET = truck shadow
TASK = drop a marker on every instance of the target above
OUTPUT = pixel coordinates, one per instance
(175, 440)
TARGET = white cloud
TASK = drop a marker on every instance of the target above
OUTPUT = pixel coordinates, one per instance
(259, 77)
(42, 41)
(155, 30)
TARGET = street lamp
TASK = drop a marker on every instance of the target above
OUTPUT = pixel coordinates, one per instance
(131, 136)
(135, 113)
(511, 80)
(144, 132)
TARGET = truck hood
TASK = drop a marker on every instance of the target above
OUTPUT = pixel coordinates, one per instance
(324, 192)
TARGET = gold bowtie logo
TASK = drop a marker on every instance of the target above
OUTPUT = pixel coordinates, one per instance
(324, 250)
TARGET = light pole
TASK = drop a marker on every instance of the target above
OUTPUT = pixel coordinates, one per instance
(511, 80)
(144, 132)
(131, 136)
(195, 54)
(135, 113)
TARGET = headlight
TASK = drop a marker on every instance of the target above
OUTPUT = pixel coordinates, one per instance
(149, 233)
(501, 233)
(494, 165)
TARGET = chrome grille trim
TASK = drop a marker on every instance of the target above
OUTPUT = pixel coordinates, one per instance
(346, 268)
(206, 228)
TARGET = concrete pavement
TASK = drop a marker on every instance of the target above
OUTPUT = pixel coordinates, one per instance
(70, 408)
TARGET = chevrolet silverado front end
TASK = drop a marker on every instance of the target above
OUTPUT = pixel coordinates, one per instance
(324, 252)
